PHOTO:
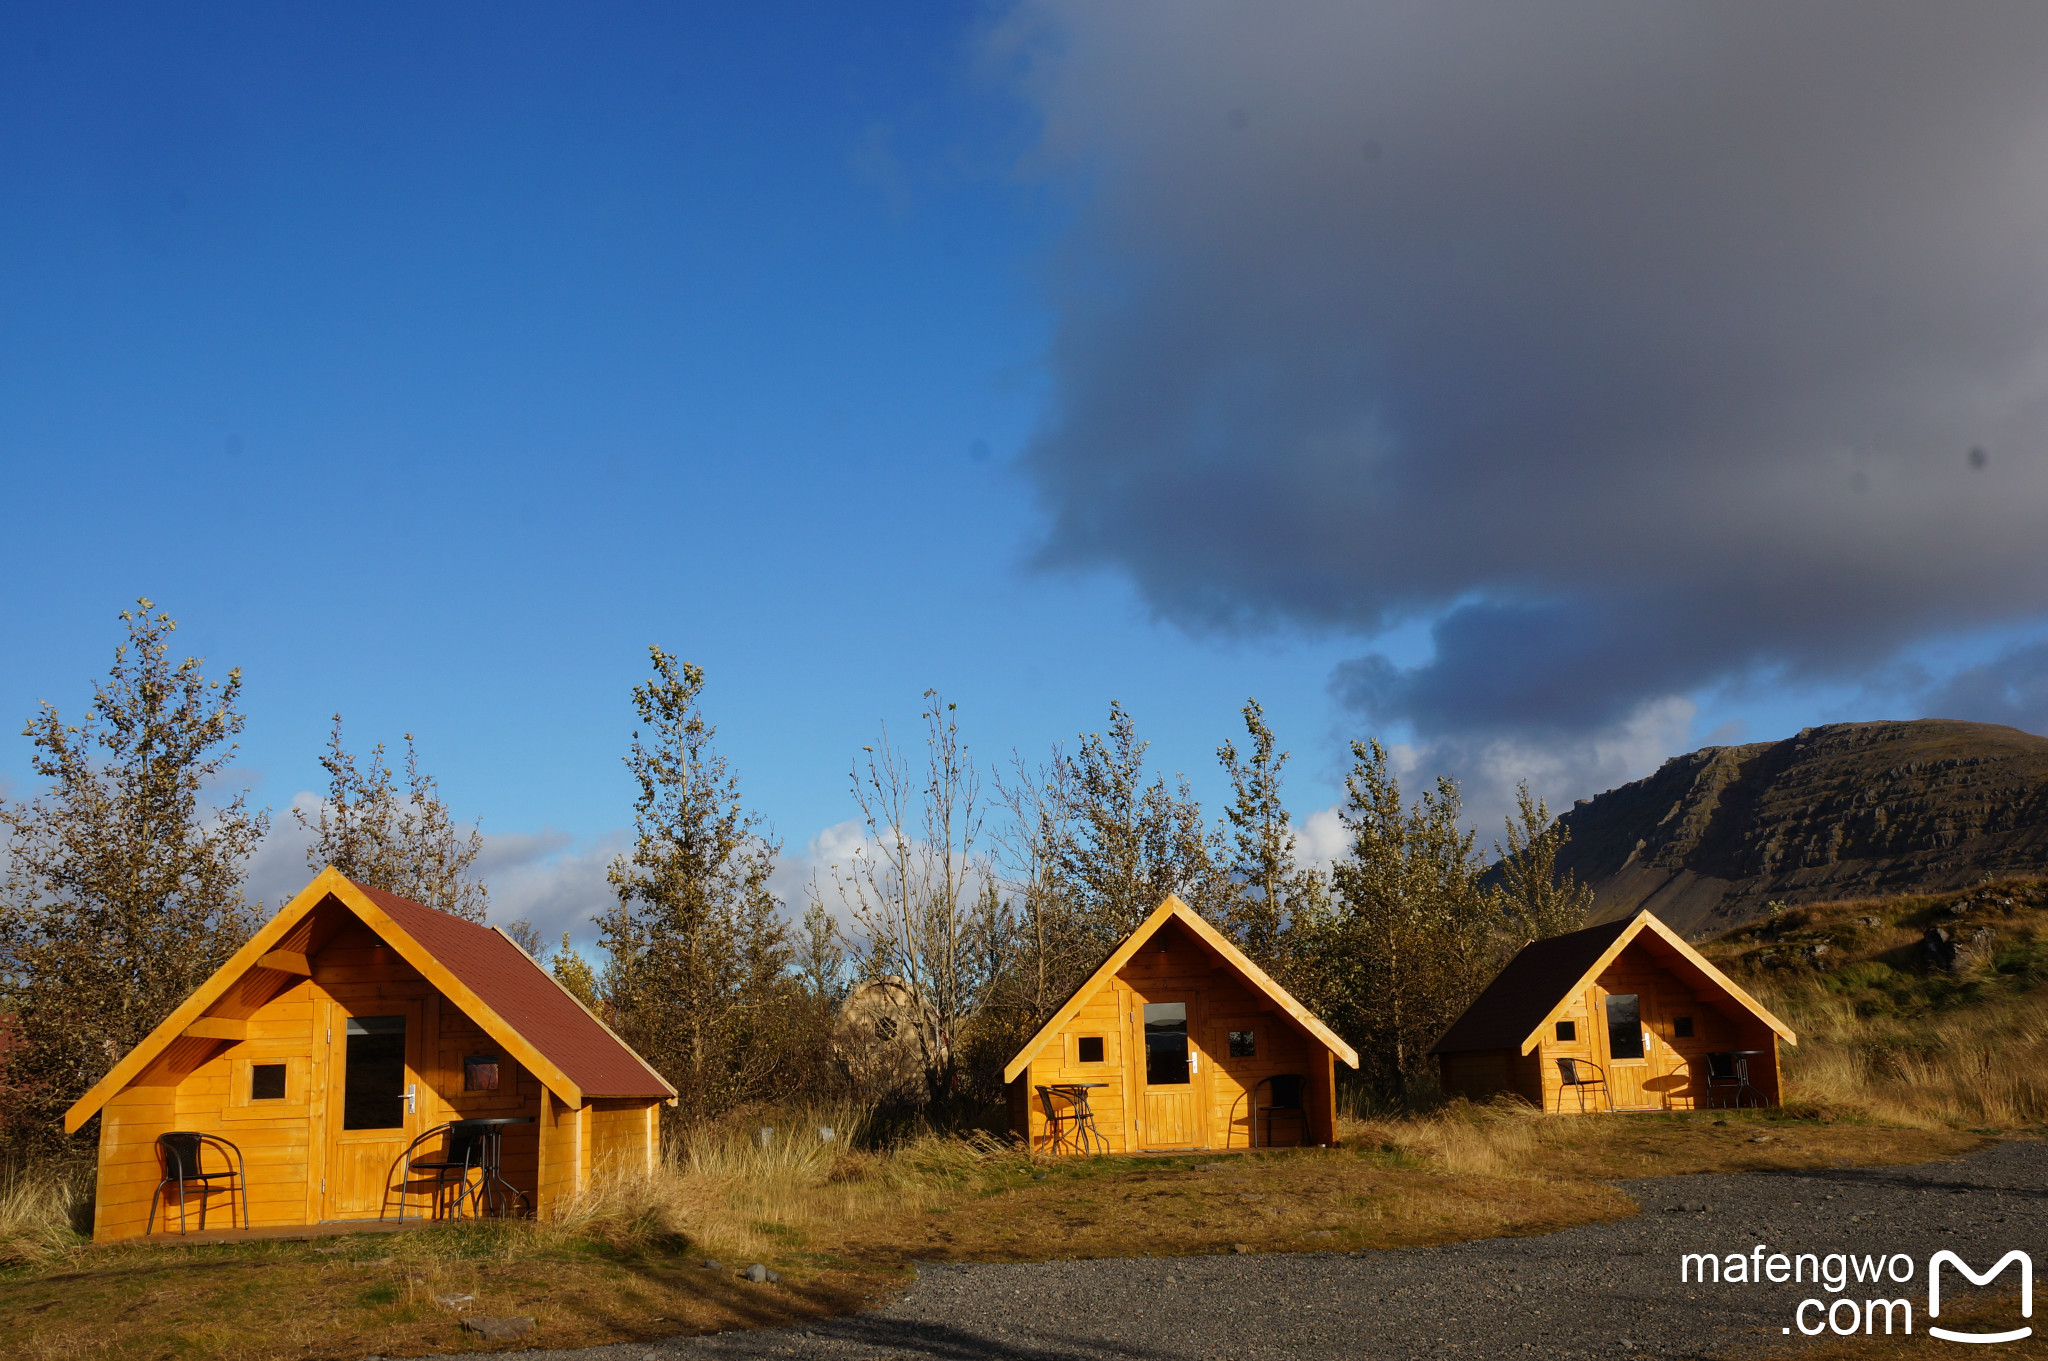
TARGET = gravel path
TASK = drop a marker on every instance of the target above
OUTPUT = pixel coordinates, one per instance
(1601, 1290)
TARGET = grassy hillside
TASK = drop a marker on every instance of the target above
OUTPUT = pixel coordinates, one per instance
(1924, 1009)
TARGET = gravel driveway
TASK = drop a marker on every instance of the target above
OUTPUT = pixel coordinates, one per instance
(1604, 1289)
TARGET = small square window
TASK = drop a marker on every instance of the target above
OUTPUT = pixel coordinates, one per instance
(266, 1082)
(480, 1073)
(1090, 1049)
(1244, 1044)
(1567, 1032)
(1681, 1027)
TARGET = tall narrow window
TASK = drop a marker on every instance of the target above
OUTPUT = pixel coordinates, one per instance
(1166, 1044)
(1624, 1026)
(373, 1081)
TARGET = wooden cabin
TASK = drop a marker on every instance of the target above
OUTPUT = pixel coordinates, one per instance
(351, 1024)
(1173, 1036)
(1632, 998)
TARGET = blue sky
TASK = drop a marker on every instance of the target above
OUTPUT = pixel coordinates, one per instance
(430, 365)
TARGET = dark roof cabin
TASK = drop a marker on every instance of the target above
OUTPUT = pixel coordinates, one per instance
(349, 1027)
(1178, 1041)
(1630, 998)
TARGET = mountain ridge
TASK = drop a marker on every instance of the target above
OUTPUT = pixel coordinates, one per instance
(1846, 810)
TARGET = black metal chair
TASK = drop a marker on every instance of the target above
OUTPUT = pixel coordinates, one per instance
(462, 1153)
(1283, 1092)
(178, 1156)
(1582, 1077)
(1728, 1075)
(1062, 1126)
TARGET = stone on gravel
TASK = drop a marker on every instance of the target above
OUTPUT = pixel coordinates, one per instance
(762, 1275)
(713, 1264)
(499, 1329)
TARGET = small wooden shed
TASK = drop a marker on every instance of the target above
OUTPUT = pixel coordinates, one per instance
(1175, 1031)
(1630, 997)
(352, 1022)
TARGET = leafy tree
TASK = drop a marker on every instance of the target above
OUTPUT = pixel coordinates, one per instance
(573, 972)
(1412, 937)
(1269, 902)
(404, 843)
(526, 936)
(122, 892)
(1052, 951)
(1533, 901)
(1126, 845)
(697, 978)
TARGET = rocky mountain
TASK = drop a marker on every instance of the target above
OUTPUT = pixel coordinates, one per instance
(1850, 810)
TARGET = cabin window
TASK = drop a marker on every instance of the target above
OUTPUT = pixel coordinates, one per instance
(1166, 1044)
(480, 1073)
(1681, 1027)
(1244, 1044)
(1567, 1032)
(1089, 1049)
(373, 1078)
(266, 1082)
(1624, 1026)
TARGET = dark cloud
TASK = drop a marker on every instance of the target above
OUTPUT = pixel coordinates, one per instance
(1637, 346)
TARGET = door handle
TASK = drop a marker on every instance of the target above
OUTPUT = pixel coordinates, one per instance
(1194, 1059)
(411, 1088)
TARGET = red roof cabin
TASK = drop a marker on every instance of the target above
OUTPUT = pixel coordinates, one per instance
(352, 1026)
(1629, 1008)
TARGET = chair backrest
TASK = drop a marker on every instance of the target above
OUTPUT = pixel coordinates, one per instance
(1046, 1096)
(1721, 1067)
(180, 1152)
(1569, 1074)
(465, 1143)
(1284, 1091)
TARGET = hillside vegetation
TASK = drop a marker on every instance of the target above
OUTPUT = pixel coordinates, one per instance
(1922, 1009)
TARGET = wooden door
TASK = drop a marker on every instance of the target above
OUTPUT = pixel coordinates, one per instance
(1629, 1049)
(375, 1100)
(1172, 1073)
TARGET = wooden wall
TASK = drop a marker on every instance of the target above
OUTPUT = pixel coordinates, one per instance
(1676, 1064)
(287, 1144)
(1176, 966)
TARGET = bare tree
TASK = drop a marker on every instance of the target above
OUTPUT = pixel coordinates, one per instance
(1053, 950)
(404, 843)
(122, 893)
(919, 889)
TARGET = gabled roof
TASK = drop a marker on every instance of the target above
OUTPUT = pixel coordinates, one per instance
(1173, 909)
(1542, 980)
(481, 970)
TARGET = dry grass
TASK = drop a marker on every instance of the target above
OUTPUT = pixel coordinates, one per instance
(1896, 1065)
(1884, 1036)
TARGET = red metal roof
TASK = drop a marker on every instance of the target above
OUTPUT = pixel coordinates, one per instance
(529, 1000)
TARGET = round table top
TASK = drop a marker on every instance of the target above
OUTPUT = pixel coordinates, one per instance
(497, 1120)
(1749, 1053)
(1073, 1086)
